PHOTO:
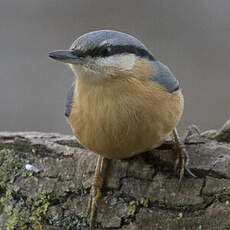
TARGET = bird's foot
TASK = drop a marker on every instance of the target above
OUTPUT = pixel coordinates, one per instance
(182, 160)
(189, 131)
(96, 193)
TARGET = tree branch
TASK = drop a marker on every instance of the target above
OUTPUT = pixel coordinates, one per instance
(45, 180)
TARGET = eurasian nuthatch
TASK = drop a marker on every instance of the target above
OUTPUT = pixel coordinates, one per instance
(123, 101)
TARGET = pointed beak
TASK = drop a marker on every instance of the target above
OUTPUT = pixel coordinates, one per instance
(66, 56)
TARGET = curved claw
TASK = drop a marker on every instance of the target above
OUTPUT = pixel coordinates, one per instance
(189, 172)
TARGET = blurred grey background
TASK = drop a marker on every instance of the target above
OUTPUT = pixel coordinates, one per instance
(191, 37)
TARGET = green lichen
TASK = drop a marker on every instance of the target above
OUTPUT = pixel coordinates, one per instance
(173, 194)
(12, 208)
(144, 202)
(132, 202)
(27, 174)
(180, 215)
(22, 213)
(132, 208)
(38, 210)
(2, 185)
(10, 165)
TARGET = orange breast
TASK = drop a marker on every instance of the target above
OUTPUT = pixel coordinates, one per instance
(125, 117)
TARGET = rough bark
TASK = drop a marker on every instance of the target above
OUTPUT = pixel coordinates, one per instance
(45, 181)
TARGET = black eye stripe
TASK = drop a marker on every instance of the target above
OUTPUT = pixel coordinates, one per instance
(113, 50)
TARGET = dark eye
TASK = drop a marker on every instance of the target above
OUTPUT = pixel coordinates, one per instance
(106, 51)
(79, 53)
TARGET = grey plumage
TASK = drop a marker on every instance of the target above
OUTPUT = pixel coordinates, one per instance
(95, 39)
(69, 101)
(165, 77)
(92, 44)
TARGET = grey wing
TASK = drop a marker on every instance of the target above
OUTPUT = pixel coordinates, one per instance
(165, 77)
(69, 101)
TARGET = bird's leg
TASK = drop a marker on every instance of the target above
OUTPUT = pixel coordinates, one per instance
(95, 193)
(182, 156)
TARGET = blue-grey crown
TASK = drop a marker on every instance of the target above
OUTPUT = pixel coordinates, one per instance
(104, 43)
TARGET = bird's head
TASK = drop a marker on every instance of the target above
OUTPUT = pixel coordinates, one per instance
(105, 54)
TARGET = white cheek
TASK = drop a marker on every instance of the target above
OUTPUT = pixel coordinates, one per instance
(125, 62)
(96, 69)
(128, 61)
(107, 61)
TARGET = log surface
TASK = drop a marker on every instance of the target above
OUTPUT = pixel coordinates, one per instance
(45, 181)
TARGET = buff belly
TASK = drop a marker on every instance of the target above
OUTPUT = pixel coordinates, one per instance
(117, 123)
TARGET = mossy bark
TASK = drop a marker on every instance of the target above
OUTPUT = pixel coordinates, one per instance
(45, 182)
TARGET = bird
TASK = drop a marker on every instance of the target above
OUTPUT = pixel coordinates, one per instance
(123, 101)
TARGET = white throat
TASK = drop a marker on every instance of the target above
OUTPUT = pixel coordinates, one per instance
(98, 68)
